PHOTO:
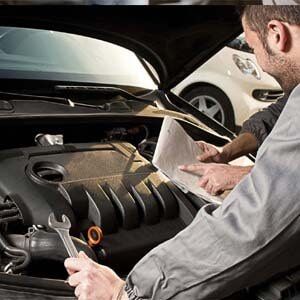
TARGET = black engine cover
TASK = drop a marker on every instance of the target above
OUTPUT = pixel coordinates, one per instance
(108, 185)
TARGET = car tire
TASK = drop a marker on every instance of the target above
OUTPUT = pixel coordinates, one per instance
(213, 102)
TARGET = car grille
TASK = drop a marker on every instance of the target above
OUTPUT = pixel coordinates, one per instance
(267, 95)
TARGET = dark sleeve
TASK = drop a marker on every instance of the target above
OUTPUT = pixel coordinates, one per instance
(261, 123)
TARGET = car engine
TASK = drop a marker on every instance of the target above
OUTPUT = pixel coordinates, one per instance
(119, 206)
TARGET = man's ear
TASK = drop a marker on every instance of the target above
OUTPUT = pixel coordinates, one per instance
(278, 35)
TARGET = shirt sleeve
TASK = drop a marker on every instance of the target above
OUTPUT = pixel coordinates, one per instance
(253, 235)
(261, 123)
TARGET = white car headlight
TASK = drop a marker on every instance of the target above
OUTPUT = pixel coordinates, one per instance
(246, 66)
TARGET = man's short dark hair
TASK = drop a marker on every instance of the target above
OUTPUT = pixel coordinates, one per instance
(258, 16)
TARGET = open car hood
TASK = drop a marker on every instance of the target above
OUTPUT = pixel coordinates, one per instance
(175, 40)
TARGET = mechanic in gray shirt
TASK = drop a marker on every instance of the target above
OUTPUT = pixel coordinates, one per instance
(255, 233)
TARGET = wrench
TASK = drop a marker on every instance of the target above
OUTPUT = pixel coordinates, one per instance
(62, 228)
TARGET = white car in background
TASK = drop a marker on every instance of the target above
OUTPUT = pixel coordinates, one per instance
(231, 86)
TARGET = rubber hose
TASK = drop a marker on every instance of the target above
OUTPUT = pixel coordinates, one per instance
(15, 251)
(44, 245)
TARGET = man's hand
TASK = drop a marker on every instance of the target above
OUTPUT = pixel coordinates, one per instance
(93, 281)
(210, 153)
(216, 178)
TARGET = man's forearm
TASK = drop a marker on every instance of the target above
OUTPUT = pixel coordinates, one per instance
(244, 144)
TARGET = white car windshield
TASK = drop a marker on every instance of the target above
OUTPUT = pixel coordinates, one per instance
(50, 55)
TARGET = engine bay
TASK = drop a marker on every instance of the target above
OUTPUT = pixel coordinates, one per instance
(98, 173)
(119, 206)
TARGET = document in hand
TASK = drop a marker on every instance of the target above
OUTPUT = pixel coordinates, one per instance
(174, 148)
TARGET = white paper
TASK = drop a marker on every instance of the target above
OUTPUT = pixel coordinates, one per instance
(174, 148)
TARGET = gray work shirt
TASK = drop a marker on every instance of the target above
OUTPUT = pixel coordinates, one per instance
(253, 235)
(261, 123)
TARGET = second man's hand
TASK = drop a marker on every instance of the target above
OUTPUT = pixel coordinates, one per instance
(215, 178)
(210, 153)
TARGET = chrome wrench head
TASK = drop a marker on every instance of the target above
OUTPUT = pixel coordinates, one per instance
(54, 224)
(62, 228)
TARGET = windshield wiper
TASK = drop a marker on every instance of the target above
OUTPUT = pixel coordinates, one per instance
(115, 106)
(112, 91)
(59, 100)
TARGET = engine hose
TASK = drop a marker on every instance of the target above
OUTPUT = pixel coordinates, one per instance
(16, 260)
(7, 205)
(9, 212)
(44, 245)
(10, 255)
(9, 219)
(14, 251)
(18, 264)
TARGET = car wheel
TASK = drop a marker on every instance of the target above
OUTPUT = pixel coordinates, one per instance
(213, 102)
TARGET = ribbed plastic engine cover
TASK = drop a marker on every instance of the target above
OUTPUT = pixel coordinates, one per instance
(108, 185)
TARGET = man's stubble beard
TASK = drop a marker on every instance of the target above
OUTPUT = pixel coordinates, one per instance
(285, 71)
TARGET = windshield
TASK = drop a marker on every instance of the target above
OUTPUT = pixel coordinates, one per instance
(50, 55)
